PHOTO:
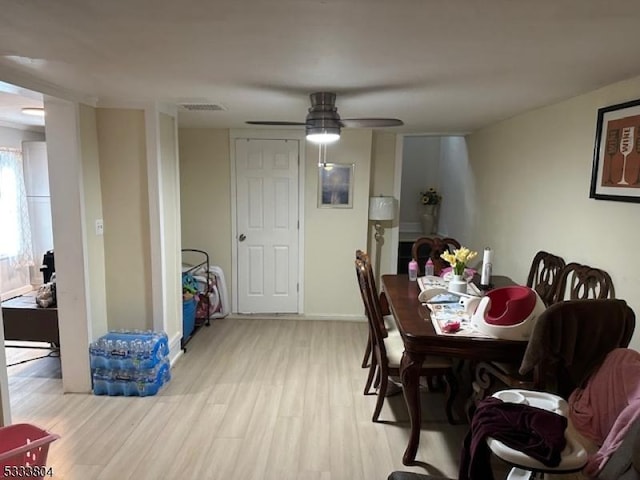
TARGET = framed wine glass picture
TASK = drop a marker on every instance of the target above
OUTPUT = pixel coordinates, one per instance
(335, 185)
(615, 173)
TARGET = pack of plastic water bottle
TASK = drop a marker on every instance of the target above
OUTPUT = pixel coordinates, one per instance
(131, 382)
(126, 349)
(130, 362)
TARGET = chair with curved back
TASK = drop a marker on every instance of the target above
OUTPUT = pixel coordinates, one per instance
(545, 274)
(579, 281)
(388, 324)
(366, 359)
(569, 339)
(575, 282)
(389, 321)
(437, 246)
(388, 349)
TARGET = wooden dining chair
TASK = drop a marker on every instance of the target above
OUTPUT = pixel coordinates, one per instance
(388, 349)
(366, 359)
(569, 340)
(579, 281)
(389, 324)
(544, 275)
(432, 247)
(575, 282)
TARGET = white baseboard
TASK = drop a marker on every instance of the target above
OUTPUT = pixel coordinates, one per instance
(175, 348)
(340, 317)
(335, 316)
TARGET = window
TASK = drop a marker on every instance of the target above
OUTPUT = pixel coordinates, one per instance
(15, 241)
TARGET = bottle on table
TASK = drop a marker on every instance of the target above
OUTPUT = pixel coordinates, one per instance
(428, 267)
(413, 270)
(487, 264)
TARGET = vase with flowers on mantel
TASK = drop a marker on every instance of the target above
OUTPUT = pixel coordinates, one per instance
(429, 219)
(429, 203)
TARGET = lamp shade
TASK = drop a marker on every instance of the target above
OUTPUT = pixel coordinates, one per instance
(382, 208)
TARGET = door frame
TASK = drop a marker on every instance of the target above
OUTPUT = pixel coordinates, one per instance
(255, 134)
(397, 192)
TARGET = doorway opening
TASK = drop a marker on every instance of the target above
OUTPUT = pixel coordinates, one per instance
(440, 163)
(31, 346)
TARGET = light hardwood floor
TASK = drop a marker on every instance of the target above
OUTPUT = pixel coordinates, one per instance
(251, 399)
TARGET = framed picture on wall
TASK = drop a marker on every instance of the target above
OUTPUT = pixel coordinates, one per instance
(615, 173)
(335, 185)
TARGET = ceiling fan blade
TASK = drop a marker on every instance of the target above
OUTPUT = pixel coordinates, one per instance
(267, 122)
(370, 122)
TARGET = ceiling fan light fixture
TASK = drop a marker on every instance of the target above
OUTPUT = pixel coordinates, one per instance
(323, 135)
(34, 111)
(323, 123)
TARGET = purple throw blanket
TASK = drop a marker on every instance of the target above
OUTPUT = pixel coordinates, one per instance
(533, 431)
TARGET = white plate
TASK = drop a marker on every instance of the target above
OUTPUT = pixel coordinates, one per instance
(544, 400)
(511, 396)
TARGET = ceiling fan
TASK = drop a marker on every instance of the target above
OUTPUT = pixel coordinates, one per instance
(323, 123)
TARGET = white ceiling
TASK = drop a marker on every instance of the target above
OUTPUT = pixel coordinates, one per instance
(442, 66)
(12, 100)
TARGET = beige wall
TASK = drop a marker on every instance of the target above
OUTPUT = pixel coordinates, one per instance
(93, 211)
(171, 225)
(382, 177)
(205, 194)
(533, 176)
(332, 235)
(125, 206)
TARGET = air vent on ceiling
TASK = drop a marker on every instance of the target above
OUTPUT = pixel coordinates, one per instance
(203, 107)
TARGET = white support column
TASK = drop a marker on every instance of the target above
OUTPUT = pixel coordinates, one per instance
(5, 407)
(67, 212)
(164, 222)
(154, 174)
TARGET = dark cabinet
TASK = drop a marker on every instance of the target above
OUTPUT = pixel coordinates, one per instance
(404, 256)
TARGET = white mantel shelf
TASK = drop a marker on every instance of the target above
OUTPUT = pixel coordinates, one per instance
(413, 236)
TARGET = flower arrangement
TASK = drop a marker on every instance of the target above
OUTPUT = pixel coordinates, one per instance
(430, 197)
(458, 259)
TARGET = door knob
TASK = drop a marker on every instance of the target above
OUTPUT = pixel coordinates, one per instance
(242, 237)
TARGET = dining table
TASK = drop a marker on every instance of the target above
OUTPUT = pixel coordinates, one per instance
(421, 339)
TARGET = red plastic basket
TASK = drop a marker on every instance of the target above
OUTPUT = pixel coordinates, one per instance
(24, 445)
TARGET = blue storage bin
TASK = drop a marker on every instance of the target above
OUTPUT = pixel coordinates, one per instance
(188, 316)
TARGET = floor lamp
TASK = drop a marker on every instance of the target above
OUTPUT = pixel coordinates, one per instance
(381, 209)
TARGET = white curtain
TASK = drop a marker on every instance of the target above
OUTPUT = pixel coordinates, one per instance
(15, 237)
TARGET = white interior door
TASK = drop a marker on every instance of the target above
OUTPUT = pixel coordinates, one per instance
(267, 225)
